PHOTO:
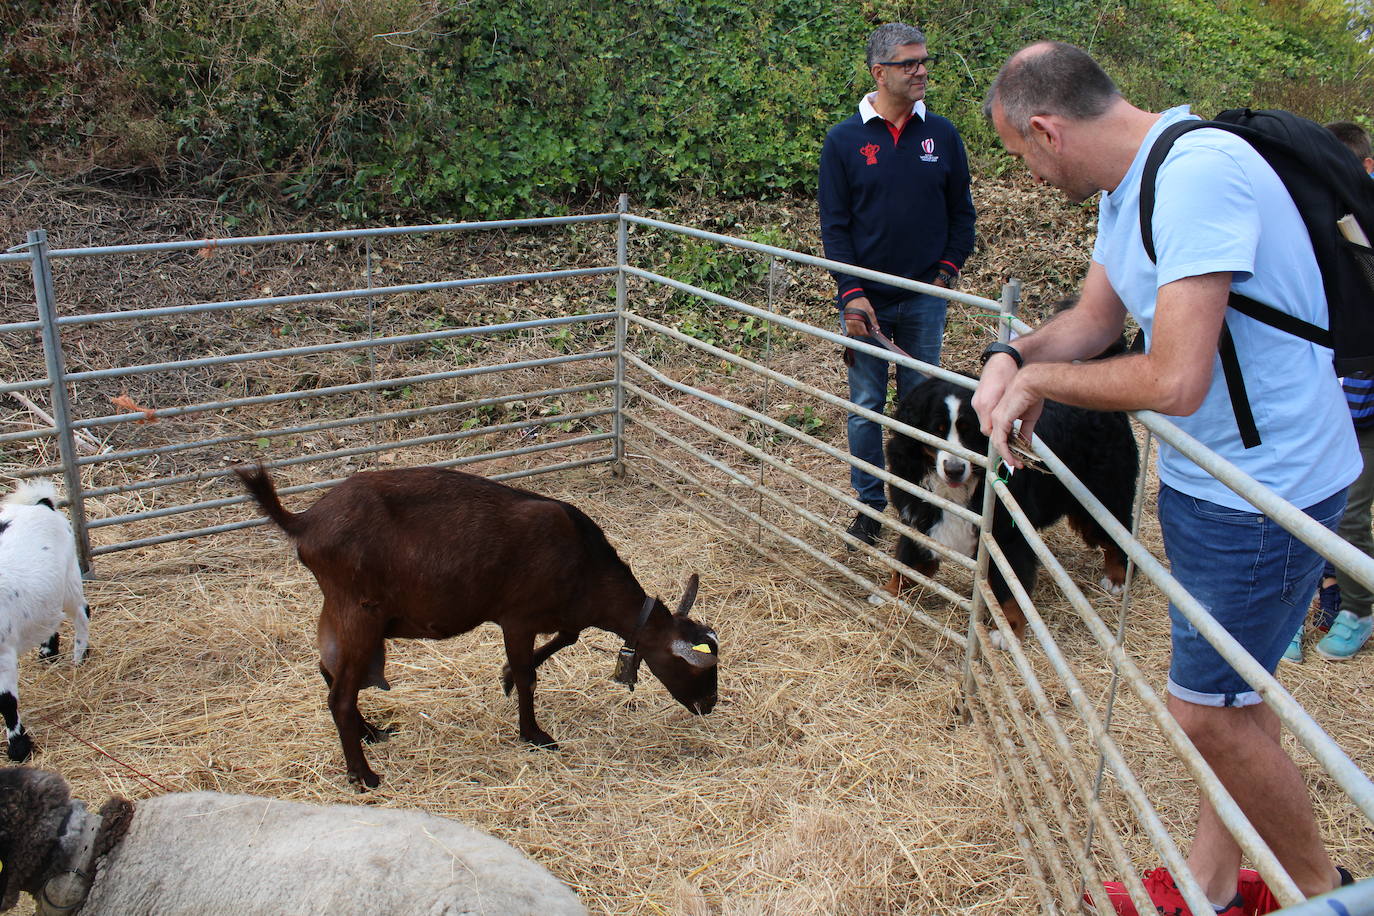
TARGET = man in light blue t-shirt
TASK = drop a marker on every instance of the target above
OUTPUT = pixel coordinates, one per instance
(1222, 221)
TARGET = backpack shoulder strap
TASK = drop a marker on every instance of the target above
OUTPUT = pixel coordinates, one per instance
(1230, 363)
(1153, 160)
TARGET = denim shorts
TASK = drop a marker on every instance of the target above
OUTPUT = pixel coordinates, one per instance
(1251, 575)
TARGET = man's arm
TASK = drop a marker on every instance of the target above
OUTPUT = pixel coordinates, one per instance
(960, 212)
(836, 217)
(1172, 378)
(1077, 333)
(833, 198)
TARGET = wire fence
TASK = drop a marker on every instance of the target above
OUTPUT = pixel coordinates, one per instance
(574, 390)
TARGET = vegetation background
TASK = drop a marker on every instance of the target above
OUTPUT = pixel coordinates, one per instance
(501, 108)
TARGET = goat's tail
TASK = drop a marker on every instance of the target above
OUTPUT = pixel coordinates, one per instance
(260, 487)
(33, 493)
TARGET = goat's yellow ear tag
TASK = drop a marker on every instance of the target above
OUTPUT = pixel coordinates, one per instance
(702, 648)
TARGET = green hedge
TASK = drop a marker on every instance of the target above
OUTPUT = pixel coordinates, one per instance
(485, 108)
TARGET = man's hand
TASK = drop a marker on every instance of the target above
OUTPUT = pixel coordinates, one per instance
(853, 325)
(998, 372)
(1020, 402)
(1004, 395)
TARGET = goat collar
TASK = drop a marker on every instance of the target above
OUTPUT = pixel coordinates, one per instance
(627, 660)
(67, 890)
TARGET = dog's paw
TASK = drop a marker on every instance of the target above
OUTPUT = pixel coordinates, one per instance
(1113, 588)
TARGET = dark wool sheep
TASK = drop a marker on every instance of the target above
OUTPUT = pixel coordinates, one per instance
(33, 807)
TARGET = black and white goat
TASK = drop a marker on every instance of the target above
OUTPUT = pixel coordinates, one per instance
(39, 582)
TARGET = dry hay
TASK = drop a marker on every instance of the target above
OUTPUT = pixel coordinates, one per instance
(830, 778)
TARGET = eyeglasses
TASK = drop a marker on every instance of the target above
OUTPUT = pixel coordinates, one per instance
(910, 65)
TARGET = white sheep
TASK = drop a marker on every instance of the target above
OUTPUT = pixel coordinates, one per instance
(39, 581)
(209, 853)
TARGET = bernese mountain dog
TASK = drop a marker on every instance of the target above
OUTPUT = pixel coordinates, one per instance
(1097, 446)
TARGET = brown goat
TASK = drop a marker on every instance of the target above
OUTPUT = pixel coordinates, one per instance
(423, 553)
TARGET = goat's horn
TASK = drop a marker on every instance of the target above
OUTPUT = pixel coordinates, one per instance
(689, 596)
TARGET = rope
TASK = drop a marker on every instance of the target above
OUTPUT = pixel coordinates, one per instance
(71, 734)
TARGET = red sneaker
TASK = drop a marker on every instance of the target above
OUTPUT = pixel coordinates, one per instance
(1258, 899)
(1255, 893)
(1121, 901)
(1165, 895)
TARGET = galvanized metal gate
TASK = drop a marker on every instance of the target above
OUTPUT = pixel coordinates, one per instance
(737, 464)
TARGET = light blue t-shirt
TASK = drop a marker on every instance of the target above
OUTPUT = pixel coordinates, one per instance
(1220, 207)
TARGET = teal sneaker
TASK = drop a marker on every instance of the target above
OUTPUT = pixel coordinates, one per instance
(1347, 635)
(1294, 651)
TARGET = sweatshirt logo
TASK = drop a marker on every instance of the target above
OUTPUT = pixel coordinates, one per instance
(870, 153)
(928, 148)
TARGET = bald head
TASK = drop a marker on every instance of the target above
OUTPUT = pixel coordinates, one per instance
(1050, 77)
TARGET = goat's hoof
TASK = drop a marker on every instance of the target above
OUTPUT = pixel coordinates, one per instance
(20, 748)
(997, 640)
(541, 740)
(368, 780)
(1113, 588)
(48, 651)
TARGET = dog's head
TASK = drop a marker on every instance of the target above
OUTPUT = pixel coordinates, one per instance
(945, 410)
(956, 421)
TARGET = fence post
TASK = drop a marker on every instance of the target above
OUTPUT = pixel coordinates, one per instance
(774, 271)
(1011, 297)
(622, 237)
(57, 380)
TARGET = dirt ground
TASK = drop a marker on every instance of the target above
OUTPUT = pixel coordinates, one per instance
(833, 776)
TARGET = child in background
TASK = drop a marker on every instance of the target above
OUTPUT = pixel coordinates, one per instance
(1344, 612)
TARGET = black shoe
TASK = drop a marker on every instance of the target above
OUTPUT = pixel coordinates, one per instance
(865, 529)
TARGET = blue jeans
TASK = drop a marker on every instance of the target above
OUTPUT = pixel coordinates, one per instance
(917, 325)
(1250, 574)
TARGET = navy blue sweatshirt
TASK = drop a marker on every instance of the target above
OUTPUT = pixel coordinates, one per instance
(901, 206)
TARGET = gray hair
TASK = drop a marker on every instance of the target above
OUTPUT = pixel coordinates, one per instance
(1050, 77)
(886, 39)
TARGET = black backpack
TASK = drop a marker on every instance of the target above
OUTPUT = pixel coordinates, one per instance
(1326, 182)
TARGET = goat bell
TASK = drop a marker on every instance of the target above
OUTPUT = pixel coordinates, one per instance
(626, 667)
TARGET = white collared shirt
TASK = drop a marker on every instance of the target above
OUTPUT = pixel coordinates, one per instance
(867, 112)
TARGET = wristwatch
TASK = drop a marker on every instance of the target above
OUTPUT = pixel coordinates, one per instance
(998, 346)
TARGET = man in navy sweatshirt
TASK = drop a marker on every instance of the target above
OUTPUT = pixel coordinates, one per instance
(894, 197)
